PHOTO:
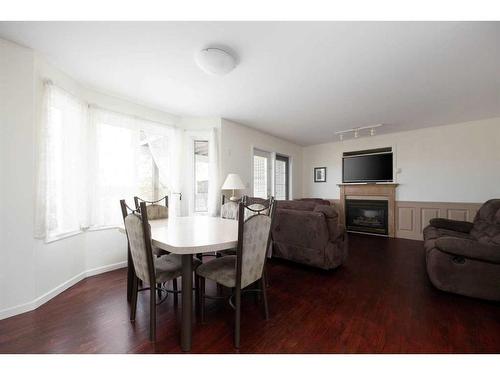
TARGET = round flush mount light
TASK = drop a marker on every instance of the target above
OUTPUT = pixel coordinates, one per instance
(215, 61)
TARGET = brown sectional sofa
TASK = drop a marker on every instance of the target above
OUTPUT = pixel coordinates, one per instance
(307, 231)
(464, 257)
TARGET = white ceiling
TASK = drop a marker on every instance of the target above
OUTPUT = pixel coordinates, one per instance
(301, 81)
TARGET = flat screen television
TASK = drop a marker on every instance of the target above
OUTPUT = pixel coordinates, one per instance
(367, 167)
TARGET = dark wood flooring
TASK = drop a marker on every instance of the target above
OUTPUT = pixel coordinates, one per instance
(381, 301)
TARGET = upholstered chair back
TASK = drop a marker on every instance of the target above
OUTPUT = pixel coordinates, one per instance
(486, 227)
(254, 239)
(157, 211)
(139, 238)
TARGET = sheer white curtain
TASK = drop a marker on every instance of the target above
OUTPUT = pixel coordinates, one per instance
(167, 150)
(61, 194)
(114, 166)
(214, 191)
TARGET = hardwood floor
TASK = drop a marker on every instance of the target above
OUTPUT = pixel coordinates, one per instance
(381, 301)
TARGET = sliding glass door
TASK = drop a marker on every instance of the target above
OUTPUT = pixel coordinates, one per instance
(271, 175)
(282, 177)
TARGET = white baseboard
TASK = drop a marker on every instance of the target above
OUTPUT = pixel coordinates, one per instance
(39, 301)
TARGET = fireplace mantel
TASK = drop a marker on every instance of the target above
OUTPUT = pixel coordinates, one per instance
(380, 190)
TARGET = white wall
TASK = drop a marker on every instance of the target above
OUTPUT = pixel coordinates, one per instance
(237, 143)
(17, 272)
(452, 163)
(31, 271)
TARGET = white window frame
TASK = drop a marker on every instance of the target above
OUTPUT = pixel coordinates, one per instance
(194, 179)
(271, 188)
(190, 178)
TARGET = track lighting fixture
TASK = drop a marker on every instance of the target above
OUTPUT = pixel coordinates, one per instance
(357, 131)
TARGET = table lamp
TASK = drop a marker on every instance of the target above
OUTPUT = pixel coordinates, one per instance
(233, 182)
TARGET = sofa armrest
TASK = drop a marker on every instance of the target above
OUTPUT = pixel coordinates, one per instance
(456, 225)
(328, 211)
(335, 230)
(469, 249)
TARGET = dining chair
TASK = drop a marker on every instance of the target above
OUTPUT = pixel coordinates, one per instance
(246, 268)
(157, 210)
(151, 270)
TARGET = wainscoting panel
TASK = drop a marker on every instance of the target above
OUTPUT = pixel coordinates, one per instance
(459, 214)
(406, 217)
(413, 217)
(427, 214)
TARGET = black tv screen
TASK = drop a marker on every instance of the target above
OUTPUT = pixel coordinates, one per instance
(367, 168)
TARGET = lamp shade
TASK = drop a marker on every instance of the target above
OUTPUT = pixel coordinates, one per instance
(233, 182)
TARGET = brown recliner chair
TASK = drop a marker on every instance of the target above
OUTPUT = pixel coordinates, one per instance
(464, 257)
(307, 231)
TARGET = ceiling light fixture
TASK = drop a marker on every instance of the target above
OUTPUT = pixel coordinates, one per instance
(356, 131)
(215, 61)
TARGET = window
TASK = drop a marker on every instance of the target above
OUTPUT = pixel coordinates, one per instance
(261, 174)
(201, 176)
(125, 165)
(90, 159)
(281, 177)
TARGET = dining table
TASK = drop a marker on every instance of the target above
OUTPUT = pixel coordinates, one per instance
(187, 236)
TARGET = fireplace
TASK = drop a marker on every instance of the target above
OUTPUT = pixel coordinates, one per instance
(368, 216)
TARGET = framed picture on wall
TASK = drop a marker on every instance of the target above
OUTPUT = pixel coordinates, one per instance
(320, 174)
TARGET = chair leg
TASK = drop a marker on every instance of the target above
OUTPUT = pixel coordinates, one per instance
(202, 299)
(237, 319)
(174, 287)
(158, 290)
(264, 296)
(152, 314)
(133, 304)
(196, 293)
(264, 273)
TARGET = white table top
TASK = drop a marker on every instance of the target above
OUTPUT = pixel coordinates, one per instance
(194, 234)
